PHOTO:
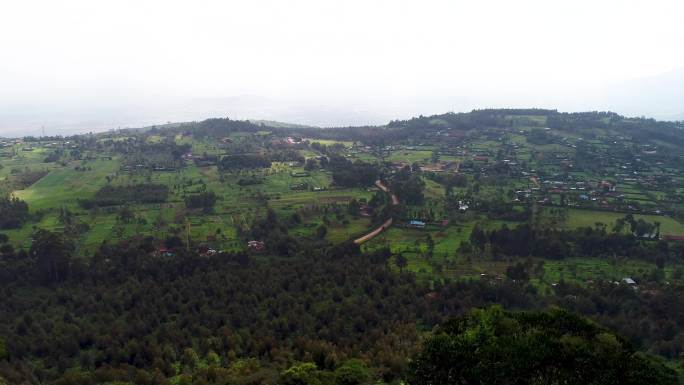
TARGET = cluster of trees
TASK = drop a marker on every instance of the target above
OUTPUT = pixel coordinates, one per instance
(141, 154)
(250, 180)
(53, 156)
(72, 226)
(460, 121)
(21, 179)
(52, 254)
(13, 212)
(539, 136)
(493, 346)
(448, 180)
(408, 185)
(369, 135)
(582, 120)
(503, 210)
(110, 195)
(286, 155)
(274, 233)
(49, 260)
(334, 148)
(203, 200)
(527, 240)
(638, 227)
(242, 161)
(346, 173)
(219, 127)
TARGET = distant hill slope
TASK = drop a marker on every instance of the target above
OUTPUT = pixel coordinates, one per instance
(274, 123)
(645, 129)
(640, 128)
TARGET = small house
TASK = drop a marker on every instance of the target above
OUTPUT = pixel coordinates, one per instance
(673, 238)
(417, 224)
(165, 252)
(256, 245)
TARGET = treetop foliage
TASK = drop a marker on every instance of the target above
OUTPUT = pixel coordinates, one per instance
(493, 346)
(13, 212)
(110, 195)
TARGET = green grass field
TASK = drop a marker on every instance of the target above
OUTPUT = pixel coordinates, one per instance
(61, 187)
(584, 218)
(410, 156)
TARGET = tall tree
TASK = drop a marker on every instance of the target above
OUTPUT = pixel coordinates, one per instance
(52, 254)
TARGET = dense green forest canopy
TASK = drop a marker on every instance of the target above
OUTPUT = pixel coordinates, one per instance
(312, 309)
(493, 346)
(129, 316)
(125, 316)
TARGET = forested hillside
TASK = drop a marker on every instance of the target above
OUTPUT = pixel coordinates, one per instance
(233, 252)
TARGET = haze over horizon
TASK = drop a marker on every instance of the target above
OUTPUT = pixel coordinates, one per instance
(79, 66)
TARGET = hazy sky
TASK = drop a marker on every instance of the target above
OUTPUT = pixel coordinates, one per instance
(98, 64)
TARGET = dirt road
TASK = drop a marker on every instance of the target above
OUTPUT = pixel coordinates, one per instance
(387, 223)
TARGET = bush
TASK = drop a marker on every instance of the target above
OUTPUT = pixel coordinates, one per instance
(201, 200)
(13, 213)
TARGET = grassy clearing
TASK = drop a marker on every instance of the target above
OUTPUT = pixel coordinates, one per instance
(433, 190)
(583, 218)
(596, 269)
(411, 156)
(63, 186)
(412, 244)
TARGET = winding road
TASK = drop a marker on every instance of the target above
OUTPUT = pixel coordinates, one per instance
(387, 223)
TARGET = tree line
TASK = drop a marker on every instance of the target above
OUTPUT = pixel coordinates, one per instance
(346, 173)
(528, 240)
(111, 195)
